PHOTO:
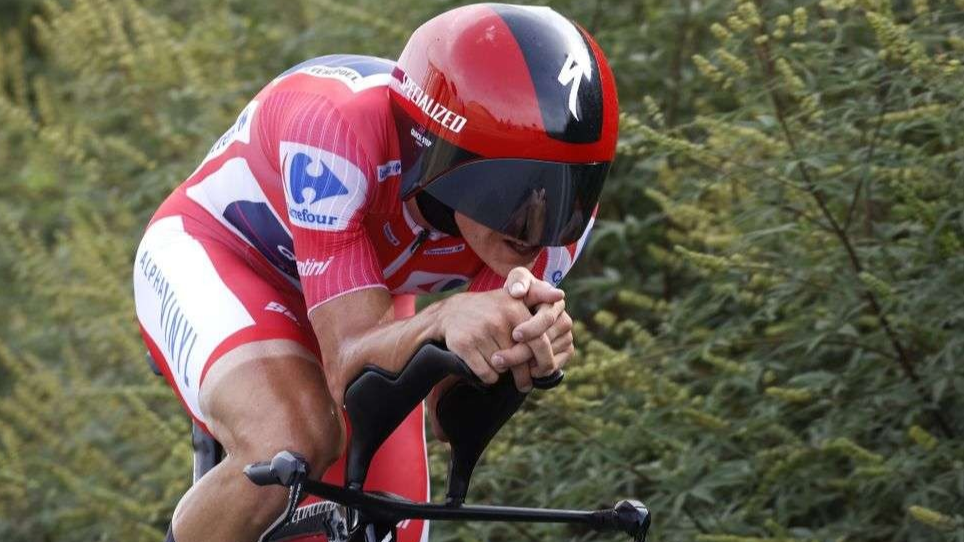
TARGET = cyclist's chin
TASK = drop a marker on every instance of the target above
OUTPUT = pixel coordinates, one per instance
(499, 252)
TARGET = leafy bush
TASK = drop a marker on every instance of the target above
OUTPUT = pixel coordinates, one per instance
(771, 312)
(779, 338)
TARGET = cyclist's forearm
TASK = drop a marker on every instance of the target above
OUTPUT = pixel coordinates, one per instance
(392, 344)
(358, 334)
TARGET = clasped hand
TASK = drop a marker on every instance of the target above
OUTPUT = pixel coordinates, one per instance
(522, 328)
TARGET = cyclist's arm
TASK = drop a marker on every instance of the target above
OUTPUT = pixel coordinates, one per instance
(330, 185)
(358, 328)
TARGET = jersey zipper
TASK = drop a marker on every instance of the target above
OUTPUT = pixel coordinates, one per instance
(422, 236)
(407, 253)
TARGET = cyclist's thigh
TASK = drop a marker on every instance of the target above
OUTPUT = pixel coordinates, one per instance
(401, 464)
(198, 299)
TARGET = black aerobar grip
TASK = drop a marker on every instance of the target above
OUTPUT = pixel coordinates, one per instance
(378, 401)
(471, 416)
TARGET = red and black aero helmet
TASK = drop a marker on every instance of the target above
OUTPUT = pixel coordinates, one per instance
(507, 114)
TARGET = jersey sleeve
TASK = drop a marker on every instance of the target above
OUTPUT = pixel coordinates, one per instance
(486, 280)
(551, 265)
(328, 187)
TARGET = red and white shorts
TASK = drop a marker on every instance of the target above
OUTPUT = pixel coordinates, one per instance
(201, 292)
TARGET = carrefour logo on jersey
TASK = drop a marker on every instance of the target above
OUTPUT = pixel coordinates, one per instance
(323, 190)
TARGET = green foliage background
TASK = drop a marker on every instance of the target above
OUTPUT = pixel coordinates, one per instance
(771, 309)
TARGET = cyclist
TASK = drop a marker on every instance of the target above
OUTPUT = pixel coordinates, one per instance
(287, 260)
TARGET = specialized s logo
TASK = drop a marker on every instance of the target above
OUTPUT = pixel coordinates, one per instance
(323, 190)
(573, 72)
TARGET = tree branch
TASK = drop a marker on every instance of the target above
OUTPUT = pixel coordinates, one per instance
(906, 364)
(870, 155)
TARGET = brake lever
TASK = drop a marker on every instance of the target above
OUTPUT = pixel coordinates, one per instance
(285, 468)
(288, 469)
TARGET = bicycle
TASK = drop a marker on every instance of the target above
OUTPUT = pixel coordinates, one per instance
(377, 401)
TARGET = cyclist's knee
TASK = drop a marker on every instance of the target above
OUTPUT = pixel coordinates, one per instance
(309, 425)
(319, 441)
(258, 405)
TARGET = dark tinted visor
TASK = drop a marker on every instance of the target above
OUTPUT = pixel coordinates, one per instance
(538, 202)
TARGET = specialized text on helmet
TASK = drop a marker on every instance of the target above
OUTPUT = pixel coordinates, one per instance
(436, 111)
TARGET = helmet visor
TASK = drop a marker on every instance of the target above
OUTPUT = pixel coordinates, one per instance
(535, 201)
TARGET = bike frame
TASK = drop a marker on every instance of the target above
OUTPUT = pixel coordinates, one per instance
(351, 515)
(469, 412)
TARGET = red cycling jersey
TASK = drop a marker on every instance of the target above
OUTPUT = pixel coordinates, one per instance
(309, 176)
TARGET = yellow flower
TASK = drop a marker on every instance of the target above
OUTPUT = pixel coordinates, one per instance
(921, 7)
(790, 395)
(653, 110)
(800, 21)
(749, 13)
(853, 450)
(709, 262)
(708, 70)
(925, 111)
(933, 518)
(923, 439)
(605, 319)
(736, 24)
(792, 81)
(720, 32)
(875, 284)
(733, 62)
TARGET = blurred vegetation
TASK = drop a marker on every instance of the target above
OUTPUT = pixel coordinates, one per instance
(771, 317)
